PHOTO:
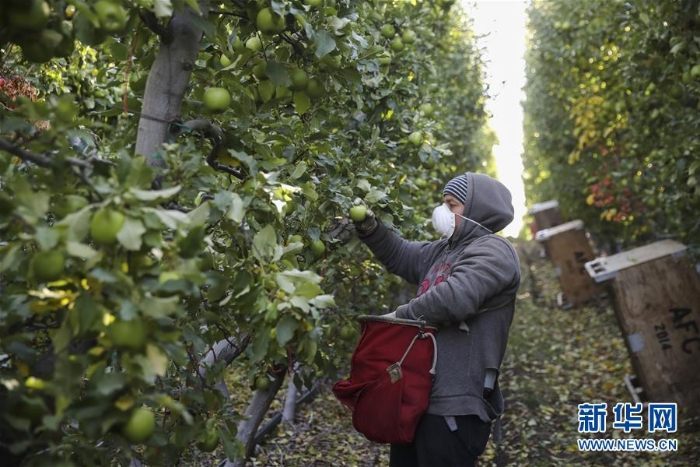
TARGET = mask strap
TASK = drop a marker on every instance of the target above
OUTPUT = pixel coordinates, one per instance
(475, 222)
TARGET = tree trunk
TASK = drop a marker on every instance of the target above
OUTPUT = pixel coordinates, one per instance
(290, 403)
(167, 83)
(226, 350)
(256, 412)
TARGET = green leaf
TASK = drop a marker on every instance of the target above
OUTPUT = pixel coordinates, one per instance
(375, 195)
(266, 89)
(285, 329)
(194, 5)
(207, 27)
(261, 342)
(277, 72)
(300, 302)
(200, 214)
(285, 283)
(47, 238)
(155, 195)
(302, 103)
(236, 211)
(163, 8)
(308, 290)
(81, 250)
(158, 359)
(10, 257)
(323, 301)
(77, 224)
(118, 51)
(325, 44)
(264, 243)
(169, 217)
(363, 184)
(35, 202)
(158, 307)
(299, 170)
(109, 383)
(130, 234)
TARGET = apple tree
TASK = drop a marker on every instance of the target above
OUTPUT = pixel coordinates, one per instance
(176, 177)
(610, 121)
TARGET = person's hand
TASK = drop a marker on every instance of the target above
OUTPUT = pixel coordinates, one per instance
(367, 225)
(391, 315)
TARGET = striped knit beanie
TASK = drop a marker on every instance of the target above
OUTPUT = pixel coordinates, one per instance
(457, 187)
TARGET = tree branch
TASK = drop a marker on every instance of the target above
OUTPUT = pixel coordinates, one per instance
(214, 133)
(149, 19)
(40, 160)
(256, 412)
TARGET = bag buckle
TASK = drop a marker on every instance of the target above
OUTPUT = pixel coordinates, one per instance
(421, 327)
(395, 373)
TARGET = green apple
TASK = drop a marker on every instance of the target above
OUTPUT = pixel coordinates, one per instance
(388, 31)
(421, 183)
(216, 99)
(282, 92)
(347, 332)
(416, 138)
(262, 383)
(48, 266)
(426, 108)
(314, 3)
(32, 18)
(269, 22)
(385, 58)
(300, 80)
(209, 441)
(396, 44)
(105, 226)
(358, 213)
(224, 61)
(318, 247)
(112, 16)
(695, 71)
(260, 70)
(254, 43)
(128, 334)
(408, 36)
(140, 426)
(296, 238)
(315, 88)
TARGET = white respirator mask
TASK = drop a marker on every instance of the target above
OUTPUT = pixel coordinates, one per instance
(444, 221)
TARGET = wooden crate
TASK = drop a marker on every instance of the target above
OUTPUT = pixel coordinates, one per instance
(656, 292)
(569, 249)
(546, 215)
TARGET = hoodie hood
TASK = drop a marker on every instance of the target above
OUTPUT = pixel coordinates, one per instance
(488, 202)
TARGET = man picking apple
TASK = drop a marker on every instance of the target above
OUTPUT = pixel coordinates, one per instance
(466, 286)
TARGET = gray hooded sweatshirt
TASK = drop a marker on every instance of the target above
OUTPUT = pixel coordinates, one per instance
(467, 287)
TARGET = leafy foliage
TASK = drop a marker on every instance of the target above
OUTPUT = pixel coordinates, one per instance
(581, 358)
(612, 89)
(120, 270)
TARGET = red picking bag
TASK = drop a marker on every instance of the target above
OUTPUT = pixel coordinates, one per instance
(391, 374)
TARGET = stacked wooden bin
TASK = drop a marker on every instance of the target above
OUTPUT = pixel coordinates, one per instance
(568, 247)
(546, 214)
(656, 295)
